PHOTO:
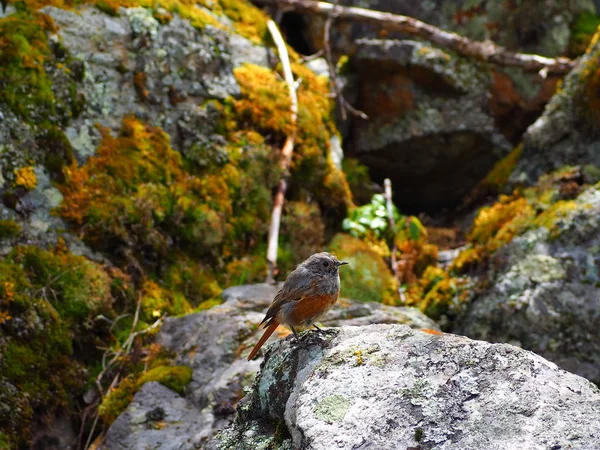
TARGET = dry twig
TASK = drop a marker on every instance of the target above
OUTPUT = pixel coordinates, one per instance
(335, 87)
(286, 153)
(392, 224)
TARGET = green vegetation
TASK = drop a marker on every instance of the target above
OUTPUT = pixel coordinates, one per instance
(582, 31)
(55, 296)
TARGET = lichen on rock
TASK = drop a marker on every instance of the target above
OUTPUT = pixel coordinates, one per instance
(412, 389)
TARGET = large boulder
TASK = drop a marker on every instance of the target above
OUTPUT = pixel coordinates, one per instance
(215, 344)
(543, 289)
(567, 132)
(390, 387)
(430, 127)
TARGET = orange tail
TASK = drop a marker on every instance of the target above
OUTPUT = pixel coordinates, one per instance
(268, 332)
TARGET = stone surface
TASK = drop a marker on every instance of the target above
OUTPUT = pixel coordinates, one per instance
(177, 66)
(215, 344)
(566, 134)
(544, 292)
(390, 387)
(430, 127)
(156, 418)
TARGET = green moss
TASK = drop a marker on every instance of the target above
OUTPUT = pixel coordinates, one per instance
(9, 229)
(582, 30)
(498, 176)
(359, 181)
(173, 377)
(46, 300)
(117, 400)
(24, 84)
(367, 278)
(107, 8)
(56, 149)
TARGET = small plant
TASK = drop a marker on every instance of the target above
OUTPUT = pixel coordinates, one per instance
(371, 218)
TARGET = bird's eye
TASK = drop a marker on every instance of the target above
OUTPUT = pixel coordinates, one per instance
(325, 264)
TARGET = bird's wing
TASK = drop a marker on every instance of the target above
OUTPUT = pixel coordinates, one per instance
(296, 286)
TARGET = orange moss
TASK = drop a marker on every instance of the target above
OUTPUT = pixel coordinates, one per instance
(25, 177)
(136, 192)
(265, 103)
(437, 293)
(497, 225)
(139, 82)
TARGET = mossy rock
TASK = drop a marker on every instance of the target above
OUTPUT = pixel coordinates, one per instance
(367, 278)
(173, 377)
(47, 304)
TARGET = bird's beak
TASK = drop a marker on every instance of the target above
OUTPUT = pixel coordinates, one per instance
(343, 263)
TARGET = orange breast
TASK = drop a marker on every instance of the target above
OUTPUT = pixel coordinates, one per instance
(309, 308)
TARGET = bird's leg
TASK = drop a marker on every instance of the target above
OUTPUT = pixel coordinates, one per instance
(295, 334)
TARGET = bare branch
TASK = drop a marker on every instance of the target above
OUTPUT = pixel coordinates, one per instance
(286, 152)
(335, 87)
(485, 51)
(392, 224)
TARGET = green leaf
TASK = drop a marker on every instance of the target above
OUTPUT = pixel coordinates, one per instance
(414, 228)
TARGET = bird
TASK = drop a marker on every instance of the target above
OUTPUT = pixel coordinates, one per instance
(309, 291)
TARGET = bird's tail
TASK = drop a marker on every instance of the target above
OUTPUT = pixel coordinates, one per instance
(268, 332)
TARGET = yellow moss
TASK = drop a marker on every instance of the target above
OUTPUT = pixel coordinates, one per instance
(157, 301)
(367, 278)
(249, 21)
(436, 293)
(497, 225)
(25, 177)
(498, 176)
(265, 102)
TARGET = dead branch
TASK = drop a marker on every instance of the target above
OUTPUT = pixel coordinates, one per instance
(335, 87)
(485, 51)
(392, 224)
(286, 153)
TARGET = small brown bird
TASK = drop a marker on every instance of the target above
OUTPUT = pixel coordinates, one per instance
(308, 293)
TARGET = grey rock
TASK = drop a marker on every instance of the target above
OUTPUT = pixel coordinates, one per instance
(390, 387)
(182, 68)
(157, 418)
(216, 342)
(430, 129)
(544, 292)
(566, 133)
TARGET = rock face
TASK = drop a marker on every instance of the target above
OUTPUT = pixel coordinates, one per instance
(545, 291)
(389, 387)
(568, 128)
(215, 344)
(177, 67)
(437, 122)
(430, 126)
